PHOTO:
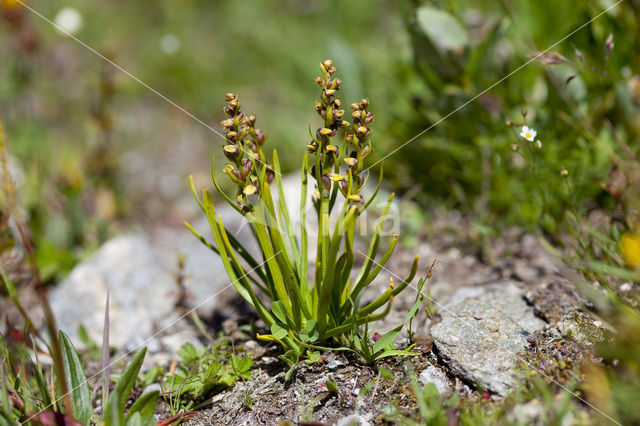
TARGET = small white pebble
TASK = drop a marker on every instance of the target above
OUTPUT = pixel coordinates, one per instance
(625, 287)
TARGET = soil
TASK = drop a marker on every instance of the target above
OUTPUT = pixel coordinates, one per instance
(304, 398)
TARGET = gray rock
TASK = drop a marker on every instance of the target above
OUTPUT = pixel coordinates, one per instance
(437, 377)
(353, 420)
(483, 329)
(142, 292)
(204, 272)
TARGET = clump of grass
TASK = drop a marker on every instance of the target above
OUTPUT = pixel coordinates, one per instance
(323, 311)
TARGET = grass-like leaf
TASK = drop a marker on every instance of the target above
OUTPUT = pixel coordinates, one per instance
(118, 399)
(76, 380)
(141, 412)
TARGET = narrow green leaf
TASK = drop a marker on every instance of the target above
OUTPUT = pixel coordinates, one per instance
(76, 380)
(144, 407)
(395, 352)
(192, 186)
(105, 359)
(388, 338)
(303, 265)
(8, 285)
(375, 193)
(135, 420)
(283, 210)
(123, 388)
(111, 415)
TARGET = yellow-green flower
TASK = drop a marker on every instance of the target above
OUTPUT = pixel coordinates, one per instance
(630, 248)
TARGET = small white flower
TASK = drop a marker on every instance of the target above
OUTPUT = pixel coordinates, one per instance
(538, 144)
(170, 44)
(528, 134)
(68, 20)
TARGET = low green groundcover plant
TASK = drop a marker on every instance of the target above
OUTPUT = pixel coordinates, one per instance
(304, 314)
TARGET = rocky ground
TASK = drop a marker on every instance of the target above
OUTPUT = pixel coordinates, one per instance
(497, 309)
(492, 309)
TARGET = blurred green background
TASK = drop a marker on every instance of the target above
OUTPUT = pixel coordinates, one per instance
(100, 151)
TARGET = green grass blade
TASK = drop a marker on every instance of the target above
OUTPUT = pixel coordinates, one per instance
(242, 276)
(388, 338)
(105, 358)
(284, 212)
(375, 193)
(304, 242)
(391, 292)
(192, 187)
(124, 386)
(364, 281)
(219, 189)
(145, 406)
(135, 420)
(76, 380)
(111, 416)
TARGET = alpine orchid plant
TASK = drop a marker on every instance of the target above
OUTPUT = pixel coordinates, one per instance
(321, 308)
